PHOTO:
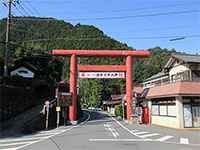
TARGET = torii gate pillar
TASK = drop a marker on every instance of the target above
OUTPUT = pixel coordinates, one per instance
(129, 87)
(73, 89)
(101, 53)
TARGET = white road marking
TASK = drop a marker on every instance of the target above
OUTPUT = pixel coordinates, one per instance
(184, 141)
(138, 133)
(109, 127)
(18, 143)
(50, 131)
(134, 130)
(127, 129)
(22, 139)
(9, 149)
(118, 140)
(149, 135)
(42, 134)
(42, 139)
(164, 138)
(95, 121)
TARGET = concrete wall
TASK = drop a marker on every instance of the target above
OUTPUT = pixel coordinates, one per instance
(179, 108)
(173, 122)
(165, 121)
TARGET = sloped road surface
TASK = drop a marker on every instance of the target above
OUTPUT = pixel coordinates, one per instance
(99, 131)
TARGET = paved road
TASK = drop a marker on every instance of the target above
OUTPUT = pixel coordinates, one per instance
(100, 131)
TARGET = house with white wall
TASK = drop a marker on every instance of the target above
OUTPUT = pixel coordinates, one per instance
(174, 94)
(25, 70)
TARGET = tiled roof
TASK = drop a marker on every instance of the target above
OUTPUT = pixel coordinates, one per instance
(187, 58)
(158, 75)
(185, 88)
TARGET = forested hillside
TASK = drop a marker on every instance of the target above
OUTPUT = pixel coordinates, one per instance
(38, 36)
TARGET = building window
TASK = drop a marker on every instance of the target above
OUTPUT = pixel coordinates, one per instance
(164, 108)
(171, 110)
(155, 110)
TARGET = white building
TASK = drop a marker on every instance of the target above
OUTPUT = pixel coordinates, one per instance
(174, 94)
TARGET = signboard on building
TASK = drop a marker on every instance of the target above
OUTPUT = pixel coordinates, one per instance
(113, 75)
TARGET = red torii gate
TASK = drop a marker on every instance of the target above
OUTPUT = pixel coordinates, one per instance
(74, 68)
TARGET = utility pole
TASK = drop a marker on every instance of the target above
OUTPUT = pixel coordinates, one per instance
(7, 46)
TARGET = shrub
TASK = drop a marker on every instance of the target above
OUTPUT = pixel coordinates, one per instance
(118, 110)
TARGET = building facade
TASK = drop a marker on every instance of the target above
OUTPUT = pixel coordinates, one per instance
(173, 95)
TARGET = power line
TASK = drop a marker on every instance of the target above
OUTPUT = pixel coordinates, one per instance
(32, 8)
(126, 10)
(22, 8)
(34, 19)
(118, 17)
(136, 16)
(107, 38)
(27, 8)
(47, 1)
(18, 10)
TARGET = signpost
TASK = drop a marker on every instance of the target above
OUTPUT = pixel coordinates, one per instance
(47, 103)
(58, 116)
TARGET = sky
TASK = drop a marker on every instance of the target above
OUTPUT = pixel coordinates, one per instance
(141, 24)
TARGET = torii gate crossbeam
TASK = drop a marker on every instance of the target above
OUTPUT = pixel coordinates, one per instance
(74, 68)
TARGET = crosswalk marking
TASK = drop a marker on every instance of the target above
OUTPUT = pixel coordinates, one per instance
(149, 135)
(138, 133)
(164, 138)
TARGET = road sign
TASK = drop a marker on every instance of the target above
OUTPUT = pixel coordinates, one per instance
(57, 108)
(65, 99)
(102, 75)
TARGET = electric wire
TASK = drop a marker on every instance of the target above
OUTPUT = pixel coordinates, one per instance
(127, 10)
(31, 8)
(22, 8)
(118, 17)
(136, 16)
(107, 38)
